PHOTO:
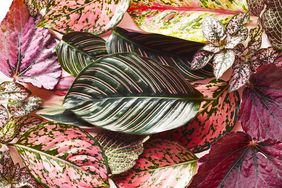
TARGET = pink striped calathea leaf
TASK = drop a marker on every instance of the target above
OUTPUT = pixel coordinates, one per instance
(182, 19)
(261, 109)
(26, 52)
(60, 155)
(85, 15)
(236, 160)
(162, 164)
(217, 116)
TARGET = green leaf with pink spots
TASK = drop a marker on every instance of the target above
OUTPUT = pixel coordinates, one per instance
(182, 19)
(163, 164)
(217, 117)
(60, 155)
(84, 15)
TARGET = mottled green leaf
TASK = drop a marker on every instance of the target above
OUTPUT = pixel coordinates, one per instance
(132, 94)
(77, 49)
(163, 164)
(182, 19)
(4, 116)
(170, 51)
(85, 15)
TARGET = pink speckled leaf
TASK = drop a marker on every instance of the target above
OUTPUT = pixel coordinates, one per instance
(84, 15)
(216, 118)
(26, 53)
(4, 116)
(35, 6)
(237, 161)
(261, 109)
(162, 164)
(240, 76)
(183, 19)
(63, 156)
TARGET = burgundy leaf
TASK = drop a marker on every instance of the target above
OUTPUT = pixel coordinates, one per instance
(238, 161)
(240, 77)
(256, 6)
(12, 175)
(261, 109)
(162, 164)
(216, 118)
(201, 59)
(63, 156)
(26, 52)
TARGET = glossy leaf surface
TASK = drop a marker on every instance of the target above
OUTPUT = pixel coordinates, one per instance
(261, 110)
(170, 51)
(132, 94)
(76, 50)
(163, 164)
(63, 155)
(238, 161)
(86, 15)
(182, 19)
(215, 119)
(26, 52)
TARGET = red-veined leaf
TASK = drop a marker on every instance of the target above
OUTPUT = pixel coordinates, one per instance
(162, 164)
(182, 19)
(63, 156)
(240, 76)
(215, 119)
(26, 52)
(261, 109)
(12, 175)
(86, 15)
(238, 161)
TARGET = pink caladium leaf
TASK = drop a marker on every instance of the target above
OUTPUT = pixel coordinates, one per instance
(162, 164)
(26, 52)
(64, 156)
(240, 76)
(261, 109)
(86, 15)
(12, 175)
(238, 161)
(215, 119)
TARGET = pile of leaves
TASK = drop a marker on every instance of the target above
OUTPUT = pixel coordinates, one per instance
(139, 107)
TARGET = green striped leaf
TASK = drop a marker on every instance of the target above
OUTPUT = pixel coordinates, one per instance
(132, 94)
(78, 49)
(170, 51)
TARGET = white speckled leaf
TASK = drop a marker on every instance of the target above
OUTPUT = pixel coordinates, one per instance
(222, 62)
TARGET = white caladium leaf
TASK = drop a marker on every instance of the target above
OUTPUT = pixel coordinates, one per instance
(212, 29)
(201, 59)
(240, 77)
(222, 62)
(4, 116)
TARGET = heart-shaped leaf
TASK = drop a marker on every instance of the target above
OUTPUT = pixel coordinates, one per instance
(63, 155)
(132, 94)
(76, 50)
(215, 119)
(170, 51)
(238, 161)
(122, 150)
(261, 110)
(182, 19)
(35, 6)
(87, 15)
(163, 164)
(222, 62)
(240, 76)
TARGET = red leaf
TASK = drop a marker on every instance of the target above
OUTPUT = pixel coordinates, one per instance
(216, 117)
(63, 156)
(162, 164)
(26, 53)
(261, 109)
(238, 161)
